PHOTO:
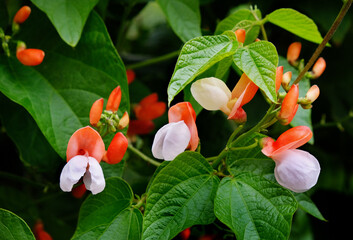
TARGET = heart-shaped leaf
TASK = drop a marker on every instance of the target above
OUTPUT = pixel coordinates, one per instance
(13, 227)
(68, 17)
(180, 196)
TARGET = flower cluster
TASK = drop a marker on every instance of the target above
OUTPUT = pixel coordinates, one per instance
(86, 149)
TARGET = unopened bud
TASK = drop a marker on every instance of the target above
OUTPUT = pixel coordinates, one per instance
(287, 77)
(130, 74)
(30, 57)
(293, 52)
(279, 76)
(289, 106)
(240, 33)
(124, 121)
(319, 67)
(96, 112)
(22, 14)
(312, 94)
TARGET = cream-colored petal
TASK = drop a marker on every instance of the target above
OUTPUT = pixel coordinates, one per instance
(211, 93)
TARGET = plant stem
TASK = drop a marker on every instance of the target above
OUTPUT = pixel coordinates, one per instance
(153, 60)
(327, 37)
(263, 31)
(143, 156)
(234, 134)
(140, 202)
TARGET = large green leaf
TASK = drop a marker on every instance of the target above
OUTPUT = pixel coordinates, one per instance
(34, 149)
(198, 55)
(68, 17)
(254, 207)
(183, 16)
(109, 215)
(180, 196)
(59, 92)
(296, 23)
(13, 227)
(259, 61)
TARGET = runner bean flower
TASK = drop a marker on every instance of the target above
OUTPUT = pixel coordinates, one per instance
(295, 169)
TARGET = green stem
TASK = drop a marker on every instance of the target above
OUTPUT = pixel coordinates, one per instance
(143, 156)
(219, 158)
(234, 134)
(327, 37)
(263, 31)
(140, 202)
(255, 144)
(258, 127)
(153, 60)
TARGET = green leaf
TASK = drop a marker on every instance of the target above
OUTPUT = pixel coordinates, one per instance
(68, 17)
(183, 16)
(306, 204)
(180, 196)
(109, 215)
(34, 149)
(259, 61)
(254, 207)
(242, 18)
(198, 55)
(13, 227)
(296, 23)
(59, 92)
(303, 116)
(250, 160)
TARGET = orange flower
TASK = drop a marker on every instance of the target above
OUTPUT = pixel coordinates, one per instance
(39, 232)
(319, 67)
(30, 56)
(294, 52)
(96, 112)
(114, 100)
(116, 149)
(149, 108)
(130, 74)
(240, 33)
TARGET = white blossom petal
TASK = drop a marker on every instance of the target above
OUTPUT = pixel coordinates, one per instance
(94, 177)
(171, 140)
(72, 172)
(211, 93)
(296, 170)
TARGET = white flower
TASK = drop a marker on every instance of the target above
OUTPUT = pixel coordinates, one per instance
(171, 140)
(79, 166)
(296, 170)
(211, 93)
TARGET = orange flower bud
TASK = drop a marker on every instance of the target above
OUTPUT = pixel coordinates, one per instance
(22, 14)
(289, 105)
(319, 67)
(116, 149)
(30, 57)
(130, 76)
(124, 121)
(114, 100)
(313, 93)
(293, 52)
(287, 77)
(96, 112)
(279, 76)
(240, 33)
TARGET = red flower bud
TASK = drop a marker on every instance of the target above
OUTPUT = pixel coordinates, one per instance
(30, 57)
(313, 93)
(96, 112)
(116, 149)
(124, 121)
(79, 191)
(185, 234)
(40, 233)
(22, 14)
(114, 100)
